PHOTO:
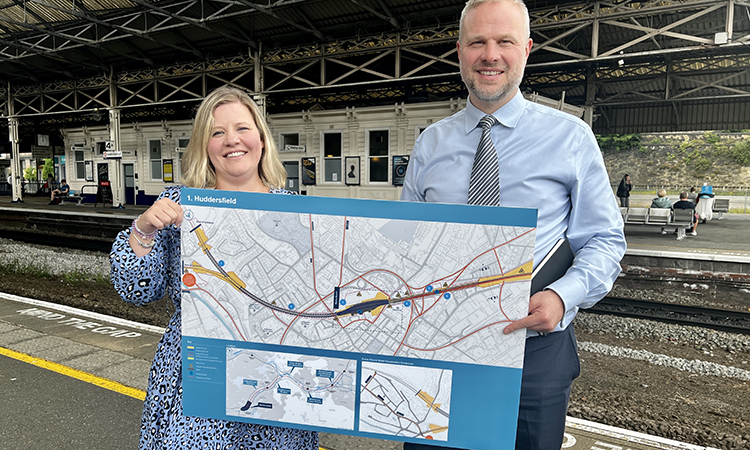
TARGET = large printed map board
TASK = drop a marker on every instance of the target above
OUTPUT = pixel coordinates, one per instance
(361, 317)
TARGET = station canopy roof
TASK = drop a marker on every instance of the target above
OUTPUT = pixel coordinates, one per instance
(46, 40)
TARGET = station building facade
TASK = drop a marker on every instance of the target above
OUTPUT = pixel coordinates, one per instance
(351, 152)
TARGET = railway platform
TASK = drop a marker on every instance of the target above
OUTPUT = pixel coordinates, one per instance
(723, 239)
(76, 379)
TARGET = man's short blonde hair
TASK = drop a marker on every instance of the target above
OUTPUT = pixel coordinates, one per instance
(662, 193)
(197, 170)
(471, 4)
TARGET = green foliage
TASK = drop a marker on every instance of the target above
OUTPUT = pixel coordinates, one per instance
(28, 270)
(620, 142)
(687, 145)
(30, 173)
(740, 153)
(711, 138)
(695, 154)
(702, 164)
(49, 168)
(31, 271)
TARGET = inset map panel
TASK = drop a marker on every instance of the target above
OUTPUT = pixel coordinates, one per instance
(291, 388)
(405, 400)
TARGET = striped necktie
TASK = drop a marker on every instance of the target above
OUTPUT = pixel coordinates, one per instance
(484, 185)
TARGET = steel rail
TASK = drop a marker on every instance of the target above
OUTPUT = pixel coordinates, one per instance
(716, 319)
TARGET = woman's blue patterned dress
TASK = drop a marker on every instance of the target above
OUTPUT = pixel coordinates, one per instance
(163, 425)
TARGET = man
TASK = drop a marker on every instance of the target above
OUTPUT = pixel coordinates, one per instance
(685, 203)
(62, 191)
(548, 160)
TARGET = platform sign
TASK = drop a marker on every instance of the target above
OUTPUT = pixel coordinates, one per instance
(360, 317)
(294, 148)
(40, 153)
(167, 168)
(400, 164)
(110, 152)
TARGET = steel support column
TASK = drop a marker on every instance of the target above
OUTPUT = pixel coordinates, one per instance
(15, 161)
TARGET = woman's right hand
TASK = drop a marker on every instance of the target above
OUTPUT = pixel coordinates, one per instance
(161, 214)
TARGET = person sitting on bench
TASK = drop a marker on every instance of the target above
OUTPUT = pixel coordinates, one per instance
(662, 201)
(62, 191)
(684, 203)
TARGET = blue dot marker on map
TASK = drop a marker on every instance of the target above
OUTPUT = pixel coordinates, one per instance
(342, 302)
(437, 291)
(407, 303)
(291, 306)
(429, 288)
(221, 263)
(447, 296)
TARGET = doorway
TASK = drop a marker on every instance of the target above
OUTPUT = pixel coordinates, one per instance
(128, 173)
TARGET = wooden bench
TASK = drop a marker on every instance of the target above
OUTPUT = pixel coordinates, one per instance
(679, 219)
(721, 206)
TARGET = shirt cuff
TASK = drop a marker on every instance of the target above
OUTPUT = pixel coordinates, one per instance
(572, 294)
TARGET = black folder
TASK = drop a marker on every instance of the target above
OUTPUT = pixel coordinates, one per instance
(553, 266)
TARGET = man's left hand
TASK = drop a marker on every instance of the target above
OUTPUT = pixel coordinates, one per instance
(546, 310)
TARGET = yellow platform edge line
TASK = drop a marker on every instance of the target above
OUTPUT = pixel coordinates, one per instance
(75, 373)
(78, 374)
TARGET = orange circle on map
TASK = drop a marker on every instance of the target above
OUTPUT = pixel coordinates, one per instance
(189, 279)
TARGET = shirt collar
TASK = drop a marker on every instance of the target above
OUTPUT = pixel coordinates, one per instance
(508, 114)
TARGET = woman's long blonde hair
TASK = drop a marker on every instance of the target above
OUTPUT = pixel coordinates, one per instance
(197, 170)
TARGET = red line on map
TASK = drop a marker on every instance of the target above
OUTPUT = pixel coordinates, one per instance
(457, 340)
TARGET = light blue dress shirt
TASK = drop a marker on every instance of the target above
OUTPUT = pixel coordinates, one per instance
(549, 160)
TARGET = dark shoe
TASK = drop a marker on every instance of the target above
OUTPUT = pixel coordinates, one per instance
(53, 202)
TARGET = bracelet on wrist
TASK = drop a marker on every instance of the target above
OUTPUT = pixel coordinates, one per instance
(145, 236)
(144, 244)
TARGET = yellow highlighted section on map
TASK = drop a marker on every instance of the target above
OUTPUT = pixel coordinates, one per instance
(428, 399)
(437, 428)
(518, 274)
(378, 296)
(203, 239)
(230, 277)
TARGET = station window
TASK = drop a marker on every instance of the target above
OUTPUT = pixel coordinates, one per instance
(332, 156)
(154, 157)
(377, 155)
(80, 164)
(288, 139)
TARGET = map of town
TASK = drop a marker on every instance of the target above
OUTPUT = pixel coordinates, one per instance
(405, 400)
(291, 388)
(405, 288)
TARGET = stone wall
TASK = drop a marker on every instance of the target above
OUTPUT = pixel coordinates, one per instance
(680, 159)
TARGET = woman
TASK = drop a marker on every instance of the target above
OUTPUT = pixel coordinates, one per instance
(623, 191)
(230, 149)
(661, 201)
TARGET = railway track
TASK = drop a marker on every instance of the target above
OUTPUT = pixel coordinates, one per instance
(716, 319)
(58, 240)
